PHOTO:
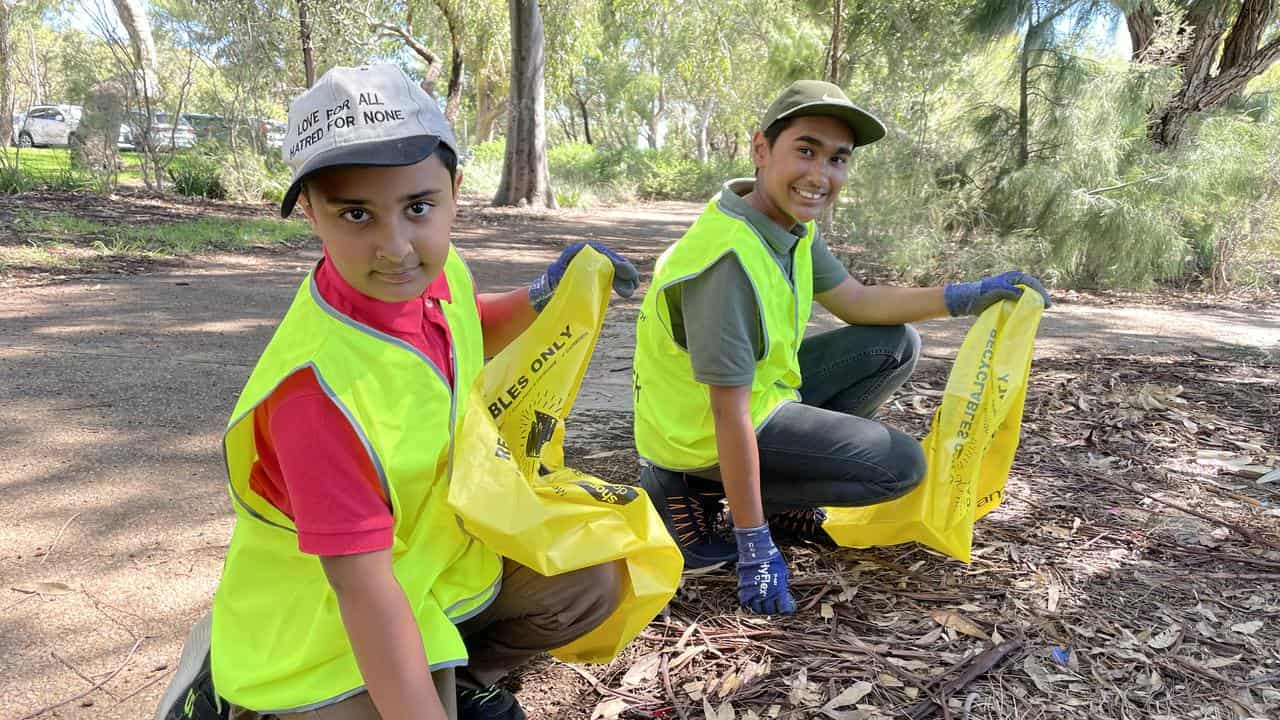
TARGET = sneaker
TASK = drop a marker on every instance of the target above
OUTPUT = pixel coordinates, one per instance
(490, 703)
(690, 516)
(190, 695)
(804, 524)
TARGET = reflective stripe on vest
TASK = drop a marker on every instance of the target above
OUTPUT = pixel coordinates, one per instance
(674, 427)
(279, 644)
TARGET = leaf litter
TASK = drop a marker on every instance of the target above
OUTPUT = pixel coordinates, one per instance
(1133, 570)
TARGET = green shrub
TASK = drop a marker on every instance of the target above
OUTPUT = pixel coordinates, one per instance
(197, 174)
(250, 177)
(482, 168)
(573, 163)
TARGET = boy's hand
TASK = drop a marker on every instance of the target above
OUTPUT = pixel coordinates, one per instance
(762, 573)
(625, 276)
(971, 298)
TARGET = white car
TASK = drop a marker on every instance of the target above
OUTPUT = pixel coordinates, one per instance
(49, 125)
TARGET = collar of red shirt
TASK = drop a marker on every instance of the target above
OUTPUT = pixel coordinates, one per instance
(395, 318)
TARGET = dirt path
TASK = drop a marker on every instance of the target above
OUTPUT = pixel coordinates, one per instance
(114, 390)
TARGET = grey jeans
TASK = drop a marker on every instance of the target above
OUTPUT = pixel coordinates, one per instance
(826, 450)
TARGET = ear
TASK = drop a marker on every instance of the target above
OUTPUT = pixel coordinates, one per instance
(304, 204)
(759, 149)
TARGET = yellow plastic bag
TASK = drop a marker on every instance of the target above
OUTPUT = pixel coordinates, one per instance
(970, 446)
(510, 487)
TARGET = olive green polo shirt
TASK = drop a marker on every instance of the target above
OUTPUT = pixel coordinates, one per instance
(715, 316)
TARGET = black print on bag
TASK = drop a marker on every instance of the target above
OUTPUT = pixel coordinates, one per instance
(540, 432)
(607, 493)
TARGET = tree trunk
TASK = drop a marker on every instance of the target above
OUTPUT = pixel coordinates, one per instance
(525, 176)
(134, 18)
(6, 79)
(1241, 61)
(1246, 33)
(487, 110)
(304, 34)
(586, 118)
(1142, 27)
(37, 86)
(654, 121)
(704, 120)
(1024, 109)
(831, 64)
(453, 96)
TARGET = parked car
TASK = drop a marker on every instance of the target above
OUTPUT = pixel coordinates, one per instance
(163, 136)
(272, 132)
(208, 127)
(49, 126)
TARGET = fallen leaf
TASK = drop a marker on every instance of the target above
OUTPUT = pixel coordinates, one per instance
(889, 681)
(1040, 676)
(695, 689)
(959, 623)
(731, 682)
(724, 712)
(1251, 471)
(44, 588)
(1215, 663)
(1247, 628)
(642, 670)
(1166, 638)
(1270, 477)
(827, 611)
(850, 696)
(929, 638)
(609, 709)
(773, 711)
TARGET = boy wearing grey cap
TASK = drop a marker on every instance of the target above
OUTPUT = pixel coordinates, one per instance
(731, 400)
(348, 580)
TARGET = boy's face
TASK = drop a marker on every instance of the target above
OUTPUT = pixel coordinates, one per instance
(386, 229)
(804, 170)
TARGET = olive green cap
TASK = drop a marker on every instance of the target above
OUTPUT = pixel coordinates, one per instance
(815, 97)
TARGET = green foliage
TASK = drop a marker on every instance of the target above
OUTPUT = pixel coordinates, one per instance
(199, 235)
(214, 171)
(196, 174)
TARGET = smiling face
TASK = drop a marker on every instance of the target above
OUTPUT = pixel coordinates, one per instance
(802, 170)
(386, 229)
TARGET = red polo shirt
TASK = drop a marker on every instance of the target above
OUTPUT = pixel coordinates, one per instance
(311, 464)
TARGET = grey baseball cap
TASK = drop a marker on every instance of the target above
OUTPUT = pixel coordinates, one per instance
(815, 97)
(368, 115)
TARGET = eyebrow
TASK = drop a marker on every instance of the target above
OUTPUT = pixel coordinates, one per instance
(420, 195)
(840, 149)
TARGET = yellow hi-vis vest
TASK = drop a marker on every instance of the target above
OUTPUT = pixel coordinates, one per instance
(674, 427)
(279, 644)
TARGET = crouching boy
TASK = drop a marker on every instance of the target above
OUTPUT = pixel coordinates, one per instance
(732, 400)
(349, 580)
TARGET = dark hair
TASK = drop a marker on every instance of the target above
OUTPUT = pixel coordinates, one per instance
(449, 158)
(772, 132)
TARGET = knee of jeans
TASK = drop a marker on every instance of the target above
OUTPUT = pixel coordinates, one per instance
(909, 467)
(597, 593)
(909, 347)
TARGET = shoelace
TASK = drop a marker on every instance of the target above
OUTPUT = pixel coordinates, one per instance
(482, 696)
(805, 523)
(689, 518)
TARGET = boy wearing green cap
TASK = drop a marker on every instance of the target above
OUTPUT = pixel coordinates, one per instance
(732, 401)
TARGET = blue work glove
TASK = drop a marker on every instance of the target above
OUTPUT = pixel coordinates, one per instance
(762, 573)
(971, 298)
(625, 277)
